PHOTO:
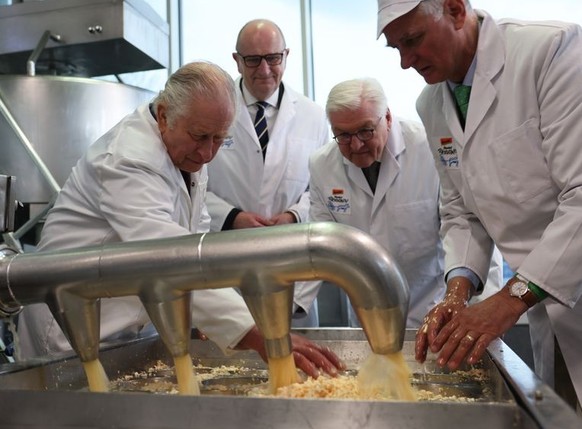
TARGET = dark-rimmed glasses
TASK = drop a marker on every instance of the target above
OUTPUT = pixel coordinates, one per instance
(271, 59)
(363, 134)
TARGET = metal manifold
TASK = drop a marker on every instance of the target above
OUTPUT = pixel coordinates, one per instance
(263, 263)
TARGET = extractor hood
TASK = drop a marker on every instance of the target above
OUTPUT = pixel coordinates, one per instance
(87, 37)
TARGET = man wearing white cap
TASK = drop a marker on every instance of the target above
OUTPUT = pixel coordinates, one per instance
(503, 116)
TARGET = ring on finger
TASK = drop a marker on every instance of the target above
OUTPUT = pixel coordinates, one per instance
(470, 337)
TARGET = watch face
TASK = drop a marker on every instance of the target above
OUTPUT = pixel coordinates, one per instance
(518, 288)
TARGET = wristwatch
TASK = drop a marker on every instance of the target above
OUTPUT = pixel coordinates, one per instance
(519, 288)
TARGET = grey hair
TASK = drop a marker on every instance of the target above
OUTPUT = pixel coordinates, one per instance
(200, 79)
(435, 7)
(350, 94)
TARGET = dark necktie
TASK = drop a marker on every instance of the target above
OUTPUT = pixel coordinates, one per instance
(261, 126)
(462, 95)
(187, 180)
(371, 174)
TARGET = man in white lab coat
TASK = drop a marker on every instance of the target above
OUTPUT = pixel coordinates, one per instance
(378, 175)
(258, 182)
(146, 179)
(511, 172)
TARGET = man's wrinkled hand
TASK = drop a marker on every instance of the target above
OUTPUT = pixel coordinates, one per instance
(311, 358)
(467, 335)
(455, 300)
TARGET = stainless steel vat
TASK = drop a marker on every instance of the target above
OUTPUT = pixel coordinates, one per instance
(53, 394)
(58, 117)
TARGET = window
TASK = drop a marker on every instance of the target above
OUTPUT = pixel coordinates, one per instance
(345, 45)
(210, 29)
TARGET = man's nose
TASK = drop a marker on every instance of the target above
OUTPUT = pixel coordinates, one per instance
(264, 66)
(407, 59)
(355, 142)
(205, 150)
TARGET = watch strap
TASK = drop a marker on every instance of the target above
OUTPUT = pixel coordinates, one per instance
(537, 291)
(533, 291)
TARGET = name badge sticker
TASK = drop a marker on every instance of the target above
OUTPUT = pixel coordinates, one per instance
(448, 153)
(338, 201)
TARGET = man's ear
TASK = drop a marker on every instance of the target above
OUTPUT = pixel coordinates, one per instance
(388, 118)
(456, 11)
(236, 57)
(162, 117)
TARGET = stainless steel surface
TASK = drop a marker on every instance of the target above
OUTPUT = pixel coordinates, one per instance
(47, 123)
(271, 305)
(20, 135)
(160, 271)
(7, 203)
(53, 395)
(545, 406)
(97, 37)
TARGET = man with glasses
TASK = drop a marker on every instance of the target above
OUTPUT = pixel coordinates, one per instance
(260, 175)
(378, 175)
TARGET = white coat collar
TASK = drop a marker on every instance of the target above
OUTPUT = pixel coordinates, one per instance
(490, 61)
(250, 98)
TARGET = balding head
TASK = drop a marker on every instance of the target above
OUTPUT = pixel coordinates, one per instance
(259, 38)
(258, 28)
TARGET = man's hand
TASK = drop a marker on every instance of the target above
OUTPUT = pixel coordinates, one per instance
(283, 218)
(254, 220)
(250, 220)
(469, 332)
(459, 291)
(309, 357)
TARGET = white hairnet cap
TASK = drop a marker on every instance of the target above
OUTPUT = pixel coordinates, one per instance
(389, 10)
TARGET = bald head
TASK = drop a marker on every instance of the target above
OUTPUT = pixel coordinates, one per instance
(262, 42)
(258, 28)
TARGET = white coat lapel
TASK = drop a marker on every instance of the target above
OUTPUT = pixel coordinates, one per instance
(199, 182)
(184, 206)
(356, 176)
(285, 116)
(390, 168)
(490, 61)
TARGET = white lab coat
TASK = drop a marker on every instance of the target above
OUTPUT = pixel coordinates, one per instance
(514, 176)
(126, 188)
(402, 215)
(239, 178)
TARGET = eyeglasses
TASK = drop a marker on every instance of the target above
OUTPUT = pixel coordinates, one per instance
(363, 134)
(271, 59)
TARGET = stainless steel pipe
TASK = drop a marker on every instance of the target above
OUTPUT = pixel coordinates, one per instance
(262, 262)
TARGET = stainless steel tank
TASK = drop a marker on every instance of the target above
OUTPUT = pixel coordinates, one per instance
(53, 393)
(58, 117)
